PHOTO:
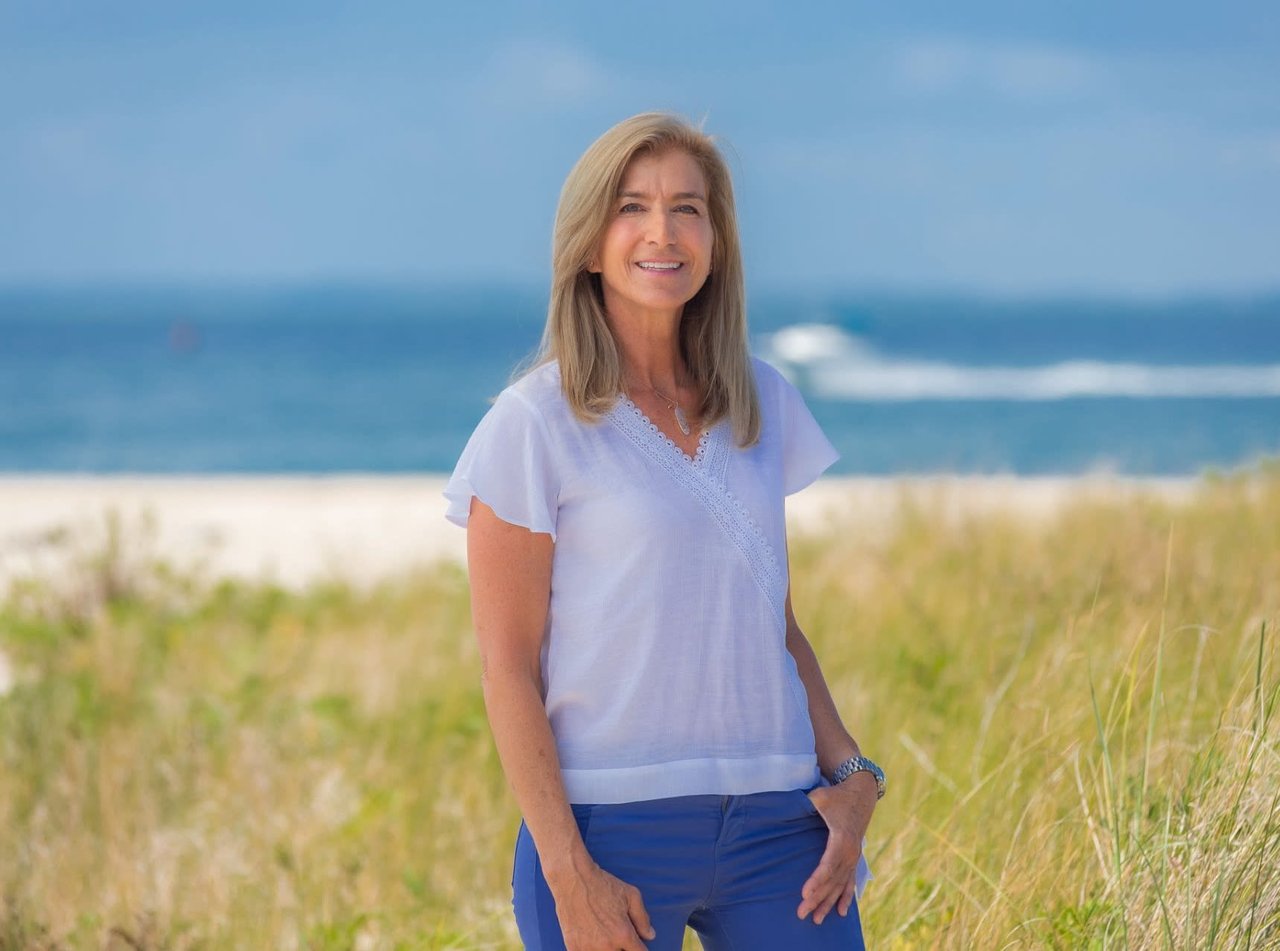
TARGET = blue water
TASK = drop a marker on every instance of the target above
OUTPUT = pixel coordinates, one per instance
(330, 378)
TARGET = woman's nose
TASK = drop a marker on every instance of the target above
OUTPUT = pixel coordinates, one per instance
(659, 228)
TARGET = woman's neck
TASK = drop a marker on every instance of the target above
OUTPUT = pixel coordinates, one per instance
(650, 352)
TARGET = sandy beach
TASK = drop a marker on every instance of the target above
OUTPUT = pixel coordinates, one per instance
(295, 530)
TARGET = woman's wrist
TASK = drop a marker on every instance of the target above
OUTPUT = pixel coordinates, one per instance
(563, 866)
(833, 758)
(853, 767)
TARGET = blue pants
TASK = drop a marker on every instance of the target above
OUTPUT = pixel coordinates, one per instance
(730, 867)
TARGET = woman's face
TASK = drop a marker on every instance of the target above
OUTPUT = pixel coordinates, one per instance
(656, 251)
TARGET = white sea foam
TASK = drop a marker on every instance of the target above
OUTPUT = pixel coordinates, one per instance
(833, 364)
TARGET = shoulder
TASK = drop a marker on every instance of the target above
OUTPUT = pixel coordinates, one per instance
(520, 424)
(536, 394)
(765, 372)
(538, 389)
(771, 383)
(533, 402)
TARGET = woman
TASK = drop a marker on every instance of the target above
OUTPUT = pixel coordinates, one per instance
(659, 714)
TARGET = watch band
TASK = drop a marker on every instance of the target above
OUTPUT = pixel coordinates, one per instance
(859, 764)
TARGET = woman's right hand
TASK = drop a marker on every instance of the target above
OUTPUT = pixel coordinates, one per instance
(600, 912)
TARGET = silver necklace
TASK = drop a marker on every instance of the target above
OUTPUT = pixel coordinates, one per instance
(681, 420)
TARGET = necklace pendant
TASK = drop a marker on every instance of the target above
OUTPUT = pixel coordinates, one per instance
(681, 421)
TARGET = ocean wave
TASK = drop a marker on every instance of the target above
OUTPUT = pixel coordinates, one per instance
(833, 364)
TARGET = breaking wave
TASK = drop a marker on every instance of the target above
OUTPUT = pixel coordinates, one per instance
(833, 364)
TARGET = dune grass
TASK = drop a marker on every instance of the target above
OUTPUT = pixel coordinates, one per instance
(1077, 719)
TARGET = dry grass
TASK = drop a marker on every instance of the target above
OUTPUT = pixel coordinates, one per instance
(1077, 721)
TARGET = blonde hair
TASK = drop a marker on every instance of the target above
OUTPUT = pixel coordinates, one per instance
(713, 326)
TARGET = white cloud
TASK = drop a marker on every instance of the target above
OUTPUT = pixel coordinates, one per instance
(63, 149)
(940, 66)
(1252, 151)
(1141, 203)
(539, 73)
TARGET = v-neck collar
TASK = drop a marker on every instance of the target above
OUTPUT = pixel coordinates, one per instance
(704, 476)
(645, 431)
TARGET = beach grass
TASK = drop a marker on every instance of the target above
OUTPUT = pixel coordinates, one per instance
(1077, 718)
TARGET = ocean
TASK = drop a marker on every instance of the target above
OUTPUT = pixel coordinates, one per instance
(328, 378)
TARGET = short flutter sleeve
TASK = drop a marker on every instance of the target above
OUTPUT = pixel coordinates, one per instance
(806, 451)
(508, 465)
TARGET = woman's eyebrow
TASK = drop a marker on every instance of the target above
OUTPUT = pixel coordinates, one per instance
(677, 196)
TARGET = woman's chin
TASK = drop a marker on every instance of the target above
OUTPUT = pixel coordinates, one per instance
(666, 303)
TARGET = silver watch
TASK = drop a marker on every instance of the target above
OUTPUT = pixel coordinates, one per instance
(859, 764)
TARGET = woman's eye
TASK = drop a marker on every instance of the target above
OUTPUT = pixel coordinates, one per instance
(629, 207)
(688, 209)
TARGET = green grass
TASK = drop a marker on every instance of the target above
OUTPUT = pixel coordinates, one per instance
(1077, 719)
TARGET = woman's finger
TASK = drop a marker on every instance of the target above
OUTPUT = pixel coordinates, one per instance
(829, 878)
(813, 891)
(638, 914)
(629, 941)
(604, 912)
(847, 896)
(831, 896)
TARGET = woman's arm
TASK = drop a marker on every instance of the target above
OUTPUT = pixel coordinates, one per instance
(510, 571)
(846, 808)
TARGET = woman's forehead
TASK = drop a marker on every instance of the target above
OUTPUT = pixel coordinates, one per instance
(667, 172)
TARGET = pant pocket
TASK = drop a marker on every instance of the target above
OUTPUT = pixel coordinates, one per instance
(582, 813)
(521, 833)
(806, 803)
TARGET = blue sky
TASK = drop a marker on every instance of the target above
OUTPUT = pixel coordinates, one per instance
(996, 147)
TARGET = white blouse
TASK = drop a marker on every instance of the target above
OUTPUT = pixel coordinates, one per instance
(665, 668)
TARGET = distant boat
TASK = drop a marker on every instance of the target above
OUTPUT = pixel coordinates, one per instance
(184, 336)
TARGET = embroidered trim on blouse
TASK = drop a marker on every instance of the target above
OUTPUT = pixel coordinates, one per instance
(703, 476)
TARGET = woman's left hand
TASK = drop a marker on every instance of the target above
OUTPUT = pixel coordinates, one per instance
(846, 809)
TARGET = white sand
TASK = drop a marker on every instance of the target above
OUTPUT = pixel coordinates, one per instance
(871, 504)
(295, 530)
